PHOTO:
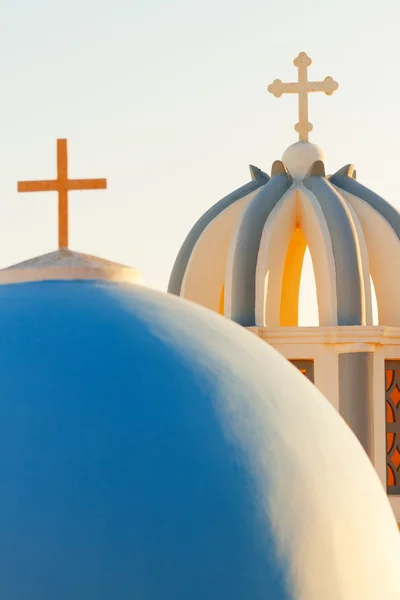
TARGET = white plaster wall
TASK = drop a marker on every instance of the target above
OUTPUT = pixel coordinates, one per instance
(308, 343)
(379, 413)
(326, 365)
(323, 345)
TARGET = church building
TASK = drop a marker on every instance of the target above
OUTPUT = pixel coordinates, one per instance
(244, 258)
(151, 449)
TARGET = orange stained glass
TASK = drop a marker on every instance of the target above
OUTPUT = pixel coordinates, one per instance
(389, 413)
(389, 378)
(392, 399)
(62, 185)
(395, 395)
(390, 438)
(396, 459)
(305, 366)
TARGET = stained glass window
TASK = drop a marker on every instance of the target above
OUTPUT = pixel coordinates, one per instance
(305, 366)
(392, 397)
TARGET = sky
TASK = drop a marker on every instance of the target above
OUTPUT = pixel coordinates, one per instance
(168, 101)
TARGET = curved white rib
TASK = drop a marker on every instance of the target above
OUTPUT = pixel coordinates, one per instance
(384, 258)
(205, 273)
(275, 239)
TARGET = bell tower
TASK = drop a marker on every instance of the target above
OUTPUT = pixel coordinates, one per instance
(244, 259)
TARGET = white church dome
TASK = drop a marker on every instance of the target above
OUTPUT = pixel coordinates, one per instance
(244, 257)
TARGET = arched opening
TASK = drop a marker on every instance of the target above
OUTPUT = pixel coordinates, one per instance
(299, 306)
(308, 303)
(375, 314)
(289, 310)
(222, 301)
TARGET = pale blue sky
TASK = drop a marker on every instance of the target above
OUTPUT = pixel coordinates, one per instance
(169, 102)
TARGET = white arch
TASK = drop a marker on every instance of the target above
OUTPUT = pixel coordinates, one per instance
(205, 272)
(298, 207)
(275, 239)
(315, 229)
(229, 264)
(384, 258)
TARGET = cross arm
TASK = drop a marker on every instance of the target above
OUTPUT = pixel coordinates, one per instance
(277, 88)
(87, 184)
(38, 186)
(328, 85)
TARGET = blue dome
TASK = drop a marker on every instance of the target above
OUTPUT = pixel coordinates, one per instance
(152, 450)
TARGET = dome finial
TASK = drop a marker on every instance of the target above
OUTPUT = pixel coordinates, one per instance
(62, 185)
(303, 87)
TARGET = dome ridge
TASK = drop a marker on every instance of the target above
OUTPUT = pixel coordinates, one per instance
(65, 264)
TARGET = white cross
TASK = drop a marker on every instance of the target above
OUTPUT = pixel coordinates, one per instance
(303, 87)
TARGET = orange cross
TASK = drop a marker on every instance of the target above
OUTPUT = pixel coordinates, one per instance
(62, 185)
(303, 87)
